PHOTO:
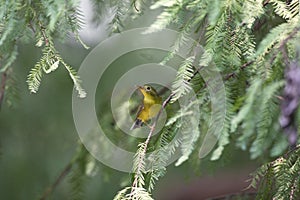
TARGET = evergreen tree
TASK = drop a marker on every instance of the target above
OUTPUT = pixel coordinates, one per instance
(253, 43)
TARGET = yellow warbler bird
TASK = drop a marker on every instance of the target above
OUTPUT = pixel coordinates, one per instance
(150, 107)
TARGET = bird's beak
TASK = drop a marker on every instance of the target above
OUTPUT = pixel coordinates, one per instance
(140, 87)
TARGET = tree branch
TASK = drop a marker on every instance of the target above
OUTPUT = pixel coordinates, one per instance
(44, 34)
(62, 175)
(283, 43)
(266, 2)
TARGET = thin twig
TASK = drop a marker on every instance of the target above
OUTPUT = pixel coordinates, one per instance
(62, 175)
(233, 74)
(265, 2)
(283, 43)
(291, 151)
(135, 7)
(44, 35)
(31, 27)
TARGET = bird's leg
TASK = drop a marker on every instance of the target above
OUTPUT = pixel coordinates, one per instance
(147, 124)
(152, 124)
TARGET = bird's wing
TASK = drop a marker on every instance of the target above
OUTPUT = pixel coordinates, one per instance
(141, 107)
(137, 122)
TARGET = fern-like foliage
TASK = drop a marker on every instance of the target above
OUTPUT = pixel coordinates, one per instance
(258, 119)
(166, 147)
(49, 63)
(249, 42)
(136, 194)
(168, 16)
(189, 130)
(224, 138)
(149, 168)
(121, 10)
(274, 37)
(139, 165)
(284, 10)
(252, 10)
(181, 85)
(42, 20)
(12, 89)
(279, 179)
(250, 56)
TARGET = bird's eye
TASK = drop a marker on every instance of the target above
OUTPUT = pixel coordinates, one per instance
(148, 88)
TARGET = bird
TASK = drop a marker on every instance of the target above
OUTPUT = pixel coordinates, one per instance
(149, 108)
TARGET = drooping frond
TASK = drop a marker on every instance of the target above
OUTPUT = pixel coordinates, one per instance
(182, 85)
(34, 77)
(23, 22)
(121, 10)
(252, 10)
(139, 165)
(244, 111)
(265, 116)
(75, 78)
(284, 10)
(257, 118)
(137, 190)
(189, 130)
(223, 138)
(48, 63)
(10, 57)
(122, 194)
(249, 42)
(166, 146)
(169, 15)
(280, 178)
(276, 35)
(138, 194)
(11, 90)
(181, 41)
(76, 21)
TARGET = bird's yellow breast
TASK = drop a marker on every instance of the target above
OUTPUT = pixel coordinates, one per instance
(149, 111)
(151, 104)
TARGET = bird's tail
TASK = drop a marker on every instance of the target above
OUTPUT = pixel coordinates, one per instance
(138, 123)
